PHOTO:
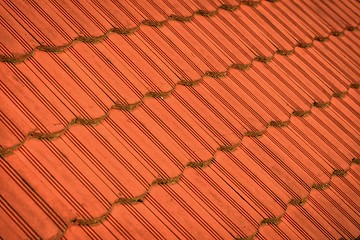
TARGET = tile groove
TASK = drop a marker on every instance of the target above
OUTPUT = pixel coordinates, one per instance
(173, 180)
(5, 151)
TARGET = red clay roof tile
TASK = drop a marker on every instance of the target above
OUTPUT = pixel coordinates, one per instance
(179, 120)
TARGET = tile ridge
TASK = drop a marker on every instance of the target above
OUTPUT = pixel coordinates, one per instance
(173, 180)
(5, 151)
(302, 201)
(147, 22)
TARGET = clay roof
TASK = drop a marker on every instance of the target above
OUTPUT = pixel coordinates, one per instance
(179, 119)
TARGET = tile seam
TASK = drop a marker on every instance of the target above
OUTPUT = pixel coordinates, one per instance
(146, 22)
(173, 180)
(5, 151)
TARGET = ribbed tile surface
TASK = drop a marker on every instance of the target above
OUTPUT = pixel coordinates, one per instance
(179, 119)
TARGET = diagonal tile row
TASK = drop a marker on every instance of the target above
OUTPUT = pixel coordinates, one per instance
(8, 7)
(70, 30)
(73, 173)
(35, 152)
(97, 89)
(223, 165)
(6, 150)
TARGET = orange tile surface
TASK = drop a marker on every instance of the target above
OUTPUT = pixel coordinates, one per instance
(179, 119)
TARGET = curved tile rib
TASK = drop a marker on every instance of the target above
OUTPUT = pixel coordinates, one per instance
(129, 107)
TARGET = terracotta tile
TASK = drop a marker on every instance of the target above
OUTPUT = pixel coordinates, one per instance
(14, 38)
(341, 226)
(238, 35)
(86, 232)
(149, 10)
(274, 79)
(81, 18)
(82, 97)
(152, 152)
(137, 221)
(274, 105)
(308, 14)
(271, 202)
(224, 37)
(163, 114)
(106, 150)
(295, 28)
(209, 32)
(21, 204)
(323, 70)
(41, 22)
(237, 101)
(99, 67)
(344, 213)
(304, 221)
(221, 201)
(261, 198)
(282, 150)
(214, 122)
(328, 15)
(348, 12)
(9, 229)
(302, 153)
(118, 15)
(282, 34)
(347, 53)
(192, 118)
(275, 168)
(10, 134)
(135, 56)
(337, 128)
(336, 158)
(169, 53)
(257, 44)
(191, 219)
(19, 89)
(347, 189)
(178, 8)
(71, 182)
(42, 190)
(201, 49)
(278, 231)
(296, 67)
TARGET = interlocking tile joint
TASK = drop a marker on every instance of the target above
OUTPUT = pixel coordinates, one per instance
(321, 38)
(228, 148)
(200, 164)
(355, 85)
(321, 104)
(304, 45)
(167, 181)
(271, 220)
(216, 74)
(301, 113)
(279, 124)
(355, 161)
(320, 186)
(339, 172)
(254, 133)
(263, 59)
(284, 52)
(298, 202)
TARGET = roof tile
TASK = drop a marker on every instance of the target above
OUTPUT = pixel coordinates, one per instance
(179, 120)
